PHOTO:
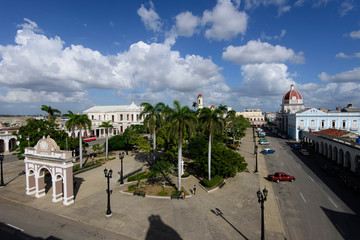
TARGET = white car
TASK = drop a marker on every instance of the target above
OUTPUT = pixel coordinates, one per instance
(304, 152)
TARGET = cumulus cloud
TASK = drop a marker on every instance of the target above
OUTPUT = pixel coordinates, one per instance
(276, 37)
(186, 24)
(348, 76)
(261, 52)
(355, 34)
(43, 66)
(225, 21)
(150, 18)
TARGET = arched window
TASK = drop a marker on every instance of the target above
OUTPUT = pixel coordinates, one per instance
(322, 124)
(312, 124)
(302, 124)
(354, 124)
(343, 124)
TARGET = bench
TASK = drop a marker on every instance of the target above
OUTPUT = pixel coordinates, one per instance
(176, 196)
(222, 184)
(139, 193)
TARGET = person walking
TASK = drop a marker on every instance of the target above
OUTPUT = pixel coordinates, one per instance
(194, 190)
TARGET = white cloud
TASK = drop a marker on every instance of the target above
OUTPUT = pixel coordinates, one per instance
(150, 18)
(256, 3)
(186, 24)
(276, 37)
(40, 64)
(343, 55)
(355, 34)
(348, 76)
(283, 9)
(265, 79)
(345, 7)
(225, 21)
(261, 52)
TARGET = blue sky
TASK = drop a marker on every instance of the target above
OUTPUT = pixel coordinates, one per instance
(244, 54)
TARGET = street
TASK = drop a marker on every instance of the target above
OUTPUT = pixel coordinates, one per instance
(310, 208)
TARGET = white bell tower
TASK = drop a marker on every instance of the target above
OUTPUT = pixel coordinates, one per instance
(200, 102)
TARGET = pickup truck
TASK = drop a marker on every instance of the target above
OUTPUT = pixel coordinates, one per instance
(281, 176)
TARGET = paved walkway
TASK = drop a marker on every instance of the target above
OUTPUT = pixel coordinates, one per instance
(148, 218)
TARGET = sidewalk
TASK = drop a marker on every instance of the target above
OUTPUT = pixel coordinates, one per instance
(148, 218)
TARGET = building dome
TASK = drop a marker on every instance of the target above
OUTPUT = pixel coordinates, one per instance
(292, 96)
(200, 95)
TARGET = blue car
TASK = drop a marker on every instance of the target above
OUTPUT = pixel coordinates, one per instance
(296, 146)
(267, 151)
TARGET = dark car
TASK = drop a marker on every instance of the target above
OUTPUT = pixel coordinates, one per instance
(296, 146)
(267, 151)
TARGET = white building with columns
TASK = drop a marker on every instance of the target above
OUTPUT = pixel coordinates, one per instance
(120, 116)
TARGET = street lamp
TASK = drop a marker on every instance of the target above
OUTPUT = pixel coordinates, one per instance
(256, 155)
(108, 176)
(2, 177)
(121, 156)
(261, 199)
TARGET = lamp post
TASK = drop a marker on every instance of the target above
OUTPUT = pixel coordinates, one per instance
(121, 156)
(261, 199)
(256, 155)
(2, 177)
(108, 176)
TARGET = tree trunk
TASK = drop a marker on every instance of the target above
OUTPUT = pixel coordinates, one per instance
(209, 157)
(154, 144)
(80, 149)
(107, 147)
(233, 139)
(179, 164)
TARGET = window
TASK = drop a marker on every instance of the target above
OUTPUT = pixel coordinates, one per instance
(112, 118)
(333, 124)
(302, 123)
(322, 123)
(132, 117)
(99, 117)
(343, 124)
(137, 117)
(127, 117)
(312, 124)
(354, 124)
(121, 117)
(92, 117)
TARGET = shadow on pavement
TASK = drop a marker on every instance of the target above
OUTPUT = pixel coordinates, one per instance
(159, 230)
(10, 233)
(218, 212)
(342, 222)
(77, 183)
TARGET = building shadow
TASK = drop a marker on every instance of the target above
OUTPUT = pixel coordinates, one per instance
(9, 233)
(77, 184)
(158, 230)
(345, 223)
(218, 212)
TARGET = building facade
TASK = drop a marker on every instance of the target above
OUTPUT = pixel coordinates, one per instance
(120, 116)
(255, 117)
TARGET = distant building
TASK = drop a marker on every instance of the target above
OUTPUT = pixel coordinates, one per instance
(294, 118)
(120, 116)
(255, 116)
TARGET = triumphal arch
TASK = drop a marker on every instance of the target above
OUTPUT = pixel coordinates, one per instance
(46, 157)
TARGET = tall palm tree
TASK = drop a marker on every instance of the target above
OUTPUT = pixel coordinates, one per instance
(182, 120)
(194, 105)
(107, 125)
(69, 123)
(79, 122)
(52, 112)
(210, 120)
(153, 118)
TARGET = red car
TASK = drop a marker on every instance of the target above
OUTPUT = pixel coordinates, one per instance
(89, 138)
(281, 176)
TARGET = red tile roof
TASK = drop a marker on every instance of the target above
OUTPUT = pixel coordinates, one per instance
(332, 132)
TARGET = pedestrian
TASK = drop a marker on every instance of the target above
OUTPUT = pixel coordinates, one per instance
(194, 189)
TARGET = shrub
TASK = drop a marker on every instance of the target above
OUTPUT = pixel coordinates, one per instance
(176, 192)
(136, 177)
(185, 175)
(214, 181)
(163, 192)
(132, 187)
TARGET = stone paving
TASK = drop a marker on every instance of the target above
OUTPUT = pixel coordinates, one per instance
(150, 218)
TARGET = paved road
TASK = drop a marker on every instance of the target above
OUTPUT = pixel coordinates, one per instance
(309, 207)
(32, 223)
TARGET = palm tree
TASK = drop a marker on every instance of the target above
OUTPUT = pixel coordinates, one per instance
(194, 105)
(52, 112)
(182, 120)
(79, 122)
(210, 120)
(153, 118)
(69, 123)
(106, 125)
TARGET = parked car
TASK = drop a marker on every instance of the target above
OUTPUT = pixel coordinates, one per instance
(296, 146)
(281, 176)
(264, 143)
(263, 140)
(267, 151)
(89, 138)
(304, 152)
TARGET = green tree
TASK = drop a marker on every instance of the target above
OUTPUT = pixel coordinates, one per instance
(70, 122)
(210, 120)
(153, 118)
(52, 112)
(183, 121)
(107, 126)
(79, 122)
(34, 130)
